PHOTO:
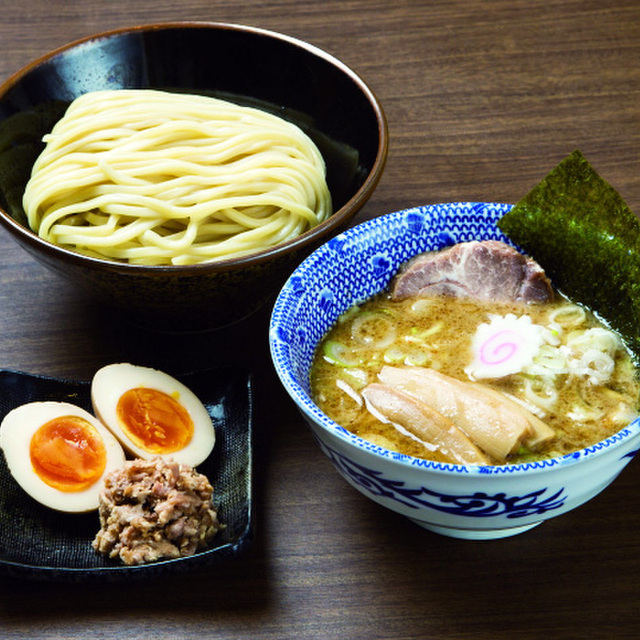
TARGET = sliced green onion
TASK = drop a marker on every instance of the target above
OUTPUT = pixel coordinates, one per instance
(394, 355)
(356, 377)
(348, 314)
(418, 358)
(570, 315)
(417, 336)
(339, 354)
(421, 306)
(373, 329)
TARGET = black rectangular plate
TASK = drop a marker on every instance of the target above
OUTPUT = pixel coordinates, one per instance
(40, 543)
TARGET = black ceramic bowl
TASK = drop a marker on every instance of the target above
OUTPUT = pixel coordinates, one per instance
(262, 68)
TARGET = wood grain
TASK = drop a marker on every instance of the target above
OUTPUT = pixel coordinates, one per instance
(483, 98)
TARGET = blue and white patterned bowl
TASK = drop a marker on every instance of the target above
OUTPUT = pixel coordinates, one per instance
(475, 502)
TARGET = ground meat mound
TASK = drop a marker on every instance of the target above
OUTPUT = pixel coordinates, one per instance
(155, 509)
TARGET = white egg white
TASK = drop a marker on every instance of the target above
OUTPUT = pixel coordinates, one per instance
(112, 381)
(16, 431)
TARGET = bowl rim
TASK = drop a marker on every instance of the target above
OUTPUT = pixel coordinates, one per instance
(336, 219)
(314, 415)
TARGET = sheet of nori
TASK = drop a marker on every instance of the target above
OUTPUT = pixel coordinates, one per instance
(586, 238)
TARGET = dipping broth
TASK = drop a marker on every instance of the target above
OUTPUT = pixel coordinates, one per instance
(581, 381)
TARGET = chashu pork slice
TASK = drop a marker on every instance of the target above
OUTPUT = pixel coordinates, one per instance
(541, 431)
(495, 426)
(398, 408)
(483, 270)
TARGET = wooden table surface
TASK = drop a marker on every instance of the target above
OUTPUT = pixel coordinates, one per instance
(482, 98)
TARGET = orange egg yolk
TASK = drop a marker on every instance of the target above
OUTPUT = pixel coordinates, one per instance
(68, 453)
(154, 420)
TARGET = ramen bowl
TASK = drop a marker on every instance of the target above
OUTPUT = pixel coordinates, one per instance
(291, 78)
(473, 502)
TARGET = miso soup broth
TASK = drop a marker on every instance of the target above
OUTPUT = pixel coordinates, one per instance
(579, 379)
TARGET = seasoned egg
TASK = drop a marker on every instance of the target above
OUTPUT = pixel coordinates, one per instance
(152, 414)
(59, 454)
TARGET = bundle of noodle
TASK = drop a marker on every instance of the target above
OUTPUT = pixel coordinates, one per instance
(152, 177)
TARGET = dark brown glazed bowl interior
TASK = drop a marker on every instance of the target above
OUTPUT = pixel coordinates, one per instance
(256, 67)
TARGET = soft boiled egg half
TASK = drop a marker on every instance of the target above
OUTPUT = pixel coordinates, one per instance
(151, 413)
(59, 454)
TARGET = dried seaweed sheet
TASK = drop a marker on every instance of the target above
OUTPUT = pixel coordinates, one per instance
(583, 234)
